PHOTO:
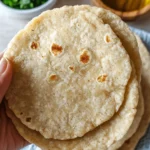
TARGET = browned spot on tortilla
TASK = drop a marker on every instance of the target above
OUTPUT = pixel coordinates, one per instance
(34, 45)
(53, 77)
(107, 39)
(72, 68)
(102, 78)
(56, 49)
(128, 141)
(84, 58)
(28, 119)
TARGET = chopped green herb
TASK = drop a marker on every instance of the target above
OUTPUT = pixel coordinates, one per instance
(23, 4)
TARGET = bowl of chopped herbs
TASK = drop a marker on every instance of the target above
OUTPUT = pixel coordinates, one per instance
(26, 8)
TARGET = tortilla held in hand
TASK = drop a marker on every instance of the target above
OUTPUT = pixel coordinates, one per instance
(76, 76)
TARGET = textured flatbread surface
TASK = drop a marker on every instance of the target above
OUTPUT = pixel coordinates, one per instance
(122, 30)
(134, 126)
(70, 71)
(145, 84)
(100, 138)
(122, 104)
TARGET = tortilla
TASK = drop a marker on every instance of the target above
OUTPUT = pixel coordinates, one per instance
(124, 33)
(134, 126)
(145, 83)
(68, 79)
(108, 132)
(100, 138)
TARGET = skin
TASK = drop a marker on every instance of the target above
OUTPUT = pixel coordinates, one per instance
(9, 137)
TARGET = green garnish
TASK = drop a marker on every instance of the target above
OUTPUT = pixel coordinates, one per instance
(23, 4)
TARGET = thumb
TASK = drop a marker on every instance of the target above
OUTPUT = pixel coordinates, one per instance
(5, 76)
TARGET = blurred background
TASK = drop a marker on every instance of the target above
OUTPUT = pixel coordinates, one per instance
(14, 14)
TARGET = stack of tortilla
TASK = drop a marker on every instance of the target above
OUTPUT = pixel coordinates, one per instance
(81, 81)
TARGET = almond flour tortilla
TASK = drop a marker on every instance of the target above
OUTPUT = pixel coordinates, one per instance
(70, 71)
(99, 139)
(145, 83)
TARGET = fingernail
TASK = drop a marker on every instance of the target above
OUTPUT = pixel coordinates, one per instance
(3, 65)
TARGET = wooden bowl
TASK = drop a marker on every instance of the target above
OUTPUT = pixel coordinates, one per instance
(128, 15)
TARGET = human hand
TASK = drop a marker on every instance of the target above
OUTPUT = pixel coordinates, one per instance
(9, 137)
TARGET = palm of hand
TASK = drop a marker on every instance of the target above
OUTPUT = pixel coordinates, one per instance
(9, 137)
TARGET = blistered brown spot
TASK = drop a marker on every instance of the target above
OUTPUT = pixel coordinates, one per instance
(102, 78)
(107, 39)
(34, 45)
(128, 141)
(28, 119)
(56, 49)
(84, 58)
(72, 68)
(53, 77)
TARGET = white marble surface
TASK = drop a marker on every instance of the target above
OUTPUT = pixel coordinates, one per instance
(10, 25)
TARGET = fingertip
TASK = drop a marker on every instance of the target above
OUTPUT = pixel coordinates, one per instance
(5, 79)
(9, 68)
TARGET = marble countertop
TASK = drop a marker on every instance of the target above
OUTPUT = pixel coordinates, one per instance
(10, 25)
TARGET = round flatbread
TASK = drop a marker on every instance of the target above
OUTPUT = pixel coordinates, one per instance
(99, 139)
(70, 71)
(104, 135)
(145, 84)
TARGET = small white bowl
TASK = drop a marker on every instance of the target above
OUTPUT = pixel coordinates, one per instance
(27, 13)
